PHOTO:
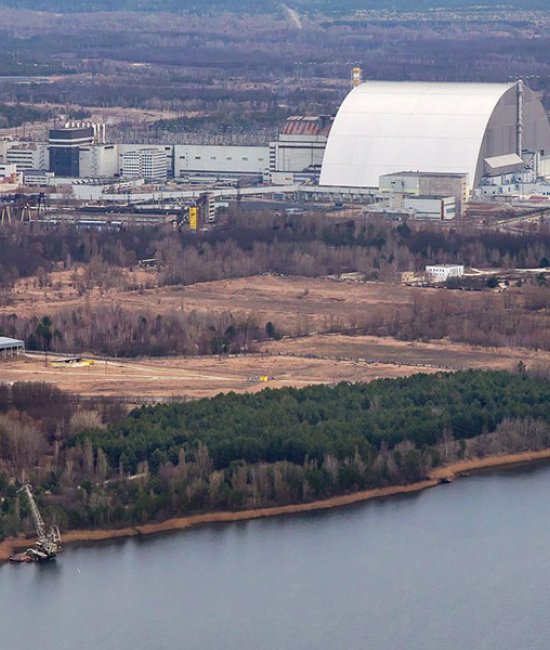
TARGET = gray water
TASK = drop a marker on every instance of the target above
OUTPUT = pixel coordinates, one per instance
(461, 567)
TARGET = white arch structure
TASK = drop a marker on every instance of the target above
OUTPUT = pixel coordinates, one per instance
(384, 127)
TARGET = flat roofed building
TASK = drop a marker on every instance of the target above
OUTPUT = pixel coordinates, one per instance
(428, 184)
(238, 160)
(442, 272)
(64, 145)
(28, 155)
(10, 347)
(148, 163)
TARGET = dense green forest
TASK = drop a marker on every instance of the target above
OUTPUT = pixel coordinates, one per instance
(261, 6)
(92, 466)
(343, 420)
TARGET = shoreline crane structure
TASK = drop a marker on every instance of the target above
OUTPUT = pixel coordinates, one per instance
(48, 543)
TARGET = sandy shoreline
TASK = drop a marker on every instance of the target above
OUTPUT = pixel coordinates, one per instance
(8, 546)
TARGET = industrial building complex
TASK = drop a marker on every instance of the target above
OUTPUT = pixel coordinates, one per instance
(415, 149)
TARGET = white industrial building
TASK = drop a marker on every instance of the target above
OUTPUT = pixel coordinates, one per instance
(442, 272)
(193, 159)
(99, 161)
(38, 177)
(426, 184)
(433, 208)
(26, 155)
(148, 163)
(166, 149)
(298, 153)
(465, 128)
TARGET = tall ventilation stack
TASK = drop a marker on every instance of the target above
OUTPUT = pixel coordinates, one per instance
(356, 77)
(520, 116)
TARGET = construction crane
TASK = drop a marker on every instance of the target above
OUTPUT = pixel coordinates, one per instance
(48, 543)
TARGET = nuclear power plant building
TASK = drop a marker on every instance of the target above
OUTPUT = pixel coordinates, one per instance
(388, 127)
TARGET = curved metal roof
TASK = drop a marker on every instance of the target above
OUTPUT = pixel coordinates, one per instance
(384, 127)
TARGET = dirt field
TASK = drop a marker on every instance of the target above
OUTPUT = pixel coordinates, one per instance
(291, 362)
(440, 354)
(194, 377)
(296, 303)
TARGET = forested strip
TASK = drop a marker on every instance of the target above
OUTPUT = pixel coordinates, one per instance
(93, 466)
(299, 425)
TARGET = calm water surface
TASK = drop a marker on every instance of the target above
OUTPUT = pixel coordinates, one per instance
(462, 567)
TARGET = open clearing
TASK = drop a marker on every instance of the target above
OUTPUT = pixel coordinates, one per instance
(290, 362)
(297, 303)
(148, 379)
(434, 354)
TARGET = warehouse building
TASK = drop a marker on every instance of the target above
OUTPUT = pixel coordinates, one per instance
(433, 208)
(225, 160)
(10, 347)
(460, 128)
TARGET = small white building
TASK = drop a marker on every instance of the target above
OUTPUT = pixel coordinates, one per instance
(442, 272)
(38, 177)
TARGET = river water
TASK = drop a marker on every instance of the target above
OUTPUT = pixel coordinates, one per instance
(464, 566)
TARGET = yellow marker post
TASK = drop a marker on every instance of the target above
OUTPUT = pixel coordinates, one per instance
(193, 218)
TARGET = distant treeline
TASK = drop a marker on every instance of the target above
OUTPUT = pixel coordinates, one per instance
(250, 6)
(16, 114)
(102, 469)
(259, 243)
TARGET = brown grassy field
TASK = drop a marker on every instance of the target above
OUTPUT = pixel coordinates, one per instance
(292, 300)
(437, 354)
(193, 377)
(297, 303)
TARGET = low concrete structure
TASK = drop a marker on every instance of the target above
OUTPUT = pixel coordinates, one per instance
(10, 347)
(442, 272)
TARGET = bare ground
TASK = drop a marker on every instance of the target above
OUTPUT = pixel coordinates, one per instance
(148, 379)
(297, 302)
(441, 354)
